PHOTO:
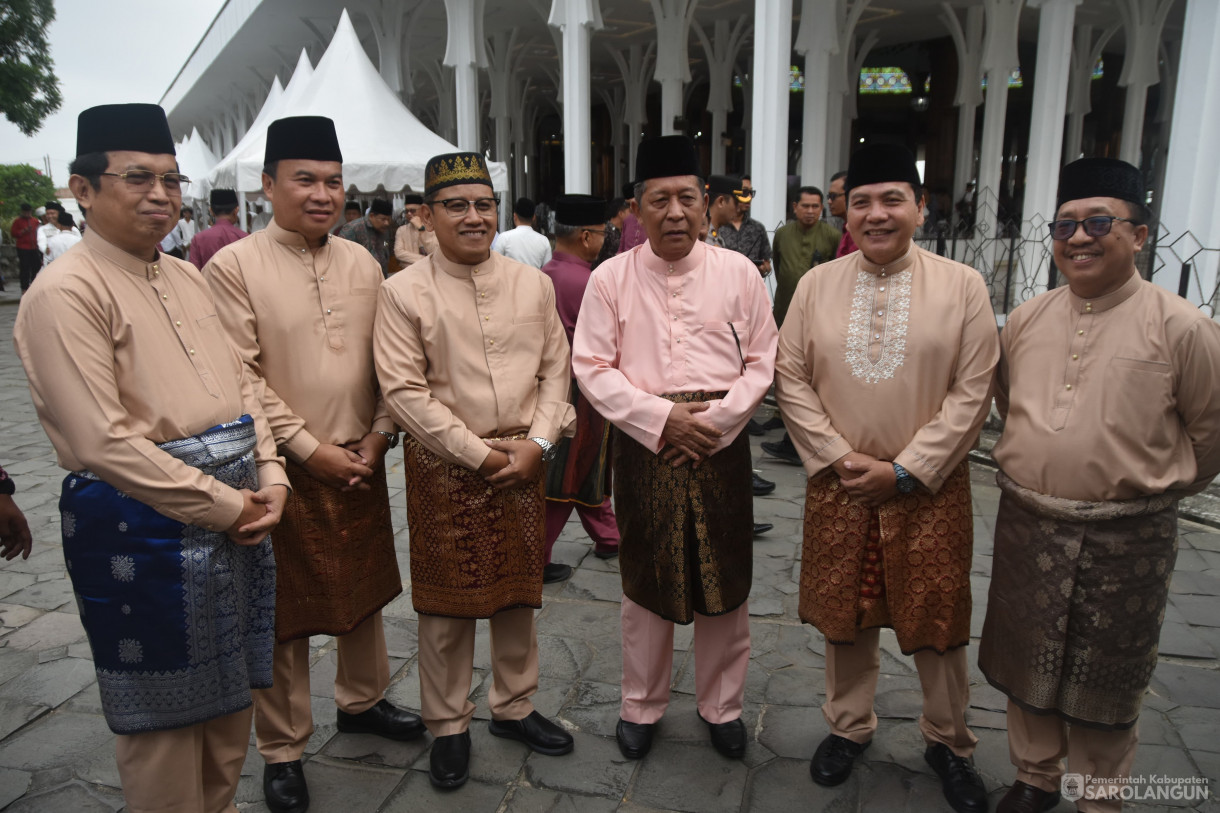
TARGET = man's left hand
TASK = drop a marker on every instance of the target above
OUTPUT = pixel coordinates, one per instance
(764, 268)
(15, 536)
(371, 448)
(876, 484)
(524, 463)
(272, 498)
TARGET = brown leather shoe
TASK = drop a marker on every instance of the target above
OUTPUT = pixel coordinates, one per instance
(1023, 798)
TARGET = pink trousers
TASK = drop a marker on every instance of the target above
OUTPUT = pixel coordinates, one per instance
(722, 654)
(599, 522)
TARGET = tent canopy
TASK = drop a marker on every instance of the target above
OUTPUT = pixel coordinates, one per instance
(195, 161)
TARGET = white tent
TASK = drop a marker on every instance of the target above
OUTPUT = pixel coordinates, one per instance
(195, 161)
(383, 143)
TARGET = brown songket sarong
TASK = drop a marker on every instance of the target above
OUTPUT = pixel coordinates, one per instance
(687, 533)
(580, 471)
(474, 550)
(1078, 592)
(904, 565)
(334, 557)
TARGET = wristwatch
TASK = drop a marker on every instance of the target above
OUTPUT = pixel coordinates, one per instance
(392, 437)
(549, 449)
(905, 482)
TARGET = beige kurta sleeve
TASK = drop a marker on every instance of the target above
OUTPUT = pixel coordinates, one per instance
(1197, 358)
(554, 416)
(406, 244)
(815, 437)
(942, 442)
(398, 352)
(225, 276)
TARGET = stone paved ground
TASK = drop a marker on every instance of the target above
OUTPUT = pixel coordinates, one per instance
(56, 753)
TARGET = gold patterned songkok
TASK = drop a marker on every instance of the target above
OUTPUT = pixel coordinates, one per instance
(453, 169)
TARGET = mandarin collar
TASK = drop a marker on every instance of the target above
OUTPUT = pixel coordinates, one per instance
(570, 259)
(897, 266)
(292, 239)
(690, 262)
(128, 262)
(1106, 301)
(459, 270)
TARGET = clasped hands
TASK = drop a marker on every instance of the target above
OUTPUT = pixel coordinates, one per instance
(866, 479)
(687, 438)
(511, 463)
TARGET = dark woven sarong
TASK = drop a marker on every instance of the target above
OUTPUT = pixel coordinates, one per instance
(687, 533)
(474, 550)
(579, 472)
(334, 553)
(1078, 594)
(925, 542)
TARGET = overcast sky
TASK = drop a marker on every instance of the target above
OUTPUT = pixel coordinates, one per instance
(107, 51)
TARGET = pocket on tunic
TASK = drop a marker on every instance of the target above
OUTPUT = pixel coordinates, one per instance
(1142, 365)
(210, 321)
(529, 319)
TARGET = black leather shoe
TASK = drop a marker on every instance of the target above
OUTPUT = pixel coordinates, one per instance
(729, 738)
(783, 450)
(1023, 798)
(775, 422)
(755, 428)
(536, 731)
(555, 572)
(959, 780)
(605, 553)
(284, 787)
(384, 720)
(833, 761)
(762, 527)
(762, 487)
(449, 762)
(634, 739)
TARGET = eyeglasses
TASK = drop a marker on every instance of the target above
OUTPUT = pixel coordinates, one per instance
(594, 231)
(833, 195)
(745, 193)
(144, 179)
(458, 207)
(1096, 226)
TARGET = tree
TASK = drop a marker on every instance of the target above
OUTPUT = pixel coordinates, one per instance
(21, 183)
(29, 89)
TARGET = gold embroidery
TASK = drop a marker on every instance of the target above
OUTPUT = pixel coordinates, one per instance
(447, 170)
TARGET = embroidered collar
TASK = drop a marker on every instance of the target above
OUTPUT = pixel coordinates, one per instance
(901, 264)
(1106, 301)
(128, 262)
(690, 262)
(459, 270)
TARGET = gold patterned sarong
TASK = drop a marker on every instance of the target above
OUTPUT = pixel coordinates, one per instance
(686, 533)
(475, 550)
(334, 557)
(1078, 592)
(905, 564)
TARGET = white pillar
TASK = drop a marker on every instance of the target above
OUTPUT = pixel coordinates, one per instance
(575, 18)
(968, 41)
(721, 53)
(1142, 21)
(1191, 201)
(613, 97)
(464, 53)
(388, 20)
(634, 69)
(768, 147)
(1055, 22)
(998, 61)
(817, 39)
(673, 18)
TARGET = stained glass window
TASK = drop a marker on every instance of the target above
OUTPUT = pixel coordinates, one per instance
(884, 80)
(1015, 80)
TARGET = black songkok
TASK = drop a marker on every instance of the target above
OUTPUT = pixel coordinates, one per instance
(381, 206)
(222, 197)
(413, 199)
(881, 163)
(629, 190)
(352, 206)
(1100, 178)
(114, 127)
(580, 210)
(454, 169)
(306, 138)
(718, 185)
(666, 157)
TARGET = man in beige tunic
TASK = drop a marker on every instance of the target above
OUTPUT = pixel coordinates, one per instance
(473, 362)
(413, 241)
(1109, 388)
(173, 482)
(884, 372)
(299, 306)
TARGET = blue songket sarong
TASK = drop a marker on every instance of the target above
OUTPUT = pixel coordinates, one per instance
(180, 619)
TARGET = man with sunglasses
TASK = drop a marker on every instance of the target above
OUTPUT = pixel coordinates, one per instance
(298, 304)
(1108, 386)
(473, 364)
(744, 234)
(173, 484)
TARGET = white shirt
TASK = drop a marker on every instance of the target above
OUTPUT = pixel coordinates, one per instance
(45, 232)
(524, 245)
(186, 231)
(61, 241)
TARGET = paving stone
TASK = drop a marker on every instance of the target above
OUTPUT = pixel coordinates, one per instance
(595, 767)
(887, 787)
(99, 767)
(50, 684)
(332, 782)
(564, 658)
(796, 686)
(12, 785)
(1188, 685)
(401, 637)
(370, 749)
(48, 595)
(536, 800)
(14, 663)
(17, 615)
(1181, 641)
(1163, 761)
(75, 797)
(46, 631)
(792, 732)
(16, 713)
(591, 585)
(784, 785)
(1199, 729)
(1197, 610)
(594, 707)
(1195, 583)
(690, 778)
(416, 794)
(55, 740)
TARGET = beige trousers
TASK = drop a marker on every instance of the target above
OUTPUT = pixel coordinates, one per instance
(1037, 744)
(851, 684)
(184, 770)
(283, 721)
(446, 665)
